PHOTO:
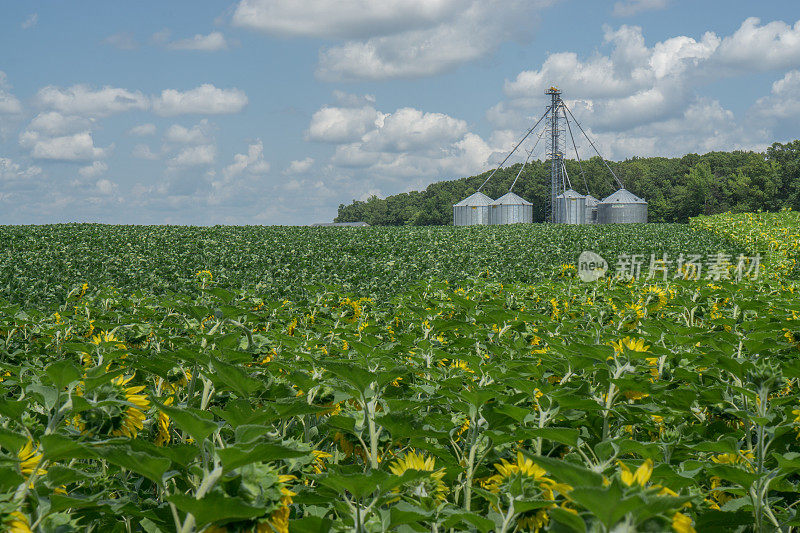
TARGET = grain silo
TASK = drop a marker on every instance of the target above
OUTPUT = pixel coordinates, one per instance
(622, 207)
(472, 210)
(510, 209)
(570, 208)
(591, 209)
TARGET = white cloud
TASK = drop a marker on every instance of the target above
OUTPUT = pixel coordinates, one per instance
(54, 123)
(105, 187)
(76, 147)
(198, 134)
(341, 18)
(634, 84)
(627, 8)
(251, 163)
(774, 45)
(394, 38)
(299, 166)
(11, 171)
(83, 100)
(122, 40)
(783, 102)
(337, 124)
(142, 130)
(30, 22)
(409, 129)
(205, 99)
(407, 143)
(9, 104)
(193, 156)
(142, 151)
(95, 169)
(207, 43)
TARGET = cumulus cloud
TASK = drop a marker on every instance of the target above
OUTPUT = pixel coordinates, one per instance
(9, 104)
(394, 38)
(12, 172)
(341, 18)
(634, 84)
(142, 130)
(198, 134)
(54, 123)
(83, 100)
(299, 166)
(251, 163)
(76, 147)
(95, 169)
(193, 156)
(407, 143)
(205, 99)
(783, 102)
(105, 187)
(340, 124)
(627, 8)
(206, 43)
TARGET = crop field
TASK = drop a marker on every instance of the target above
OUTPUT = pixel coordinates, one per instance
(310, 380)
(41, 264)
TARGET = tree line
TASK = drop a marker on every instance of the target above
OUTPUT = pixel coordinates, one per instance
(675, 188)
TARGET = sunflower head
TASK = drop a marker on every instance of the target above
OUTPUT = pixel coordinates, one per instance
(115, 409)
(427, 487)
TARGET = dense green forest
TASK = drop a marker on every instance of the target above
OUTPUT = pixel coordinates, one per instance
(675, 188)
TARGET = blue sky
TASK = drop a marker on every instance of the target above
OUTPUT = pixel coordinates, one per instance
(277, 111)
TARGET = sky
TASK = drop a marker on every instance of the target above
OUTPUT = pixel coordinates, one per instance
(277, 111)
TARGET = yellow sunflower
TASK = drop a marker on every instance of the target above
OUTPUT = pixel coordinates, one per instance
(526, 468)
(134, 415)
(16, 522)
(434, 486)
(29, 460)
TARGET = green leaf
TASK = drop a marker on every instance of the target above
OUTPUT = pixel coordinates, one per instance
(235, 378)
(199, 424)
(60, 447)
(606, 503)
(62, 373)
(310, 524)
(215, 507)
(235, 456)
(13, 409)
(570, 520)
(569, 473)
(153, 468)
(566, 436)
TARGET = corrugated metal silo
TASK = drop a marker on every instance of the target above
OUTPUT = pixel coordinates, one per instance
(510, 209)
(622, 207)
(570, 208)
(591, 209)
(472, 210)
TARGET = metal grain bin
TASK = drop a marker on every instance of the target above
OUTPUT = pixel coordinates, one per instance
(591, 209)
(510, 209)
(570, 208)
(472, 210)
(622, 207)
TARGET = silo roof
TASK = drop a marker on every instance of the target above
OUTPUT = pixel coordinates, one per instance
(475, 199)
(622, 196)
(570, 193)
(511, 199)
(591, 200)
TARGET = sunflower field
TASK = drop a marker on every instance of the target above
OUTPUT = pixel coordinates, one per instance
(493, 391)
